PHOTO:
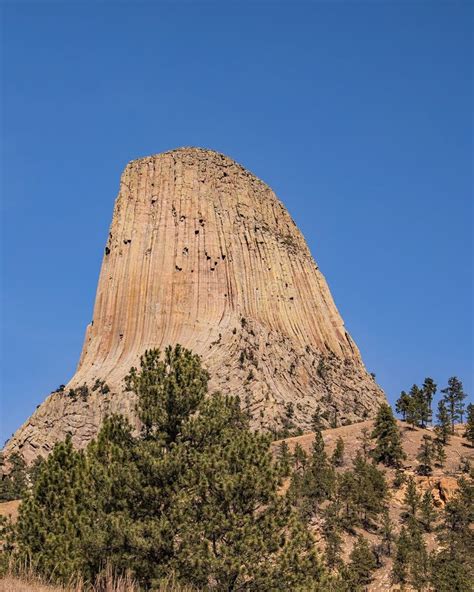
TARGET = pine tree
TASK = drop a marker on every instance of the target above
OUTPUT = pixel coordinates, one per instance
(284, 459)
(427, 511)
(365, 443)
(387, 532)
(418, 558)
(400, 568)
(443, 426)
(332, 535)
(346, 487)
(398, 479)
(402, 406)
(411, 563)
(429, 390)
(449, 573)
(337, 458)
(13, 484)
(318, 480)
(35, 468)
(52, 522)
(230, 503)
(412, 499)
(362, 563)
(422, 401)
(425, 456)
(388, 448)
(456, 535)
(316, 420)
(453, 565)
(439, 453)
(469, 431)
(5, 482)
(415, 406)
(454, 396)
(369, 490)
(169, 390)
(300, 458)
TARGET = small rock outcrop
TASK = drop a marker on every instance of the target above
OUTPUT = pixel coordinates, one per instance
(201, 252)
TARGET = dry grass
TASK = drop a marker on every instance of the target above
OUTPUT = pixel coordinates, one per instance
(107, 583)
(12, 584)
(29, 582)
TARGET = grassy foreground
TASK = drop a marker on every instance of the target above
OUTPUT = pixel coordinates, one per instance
(30, 583)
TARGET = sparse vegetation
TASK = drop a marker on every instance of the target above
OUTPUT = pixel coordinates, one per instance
(469, 431)
(416, 406)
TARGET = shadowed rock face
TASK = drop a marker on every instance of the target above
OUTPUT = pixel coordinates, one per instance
(200, 252)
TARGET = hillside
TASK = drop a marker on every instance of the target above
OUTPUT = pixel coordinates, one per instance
(442, 484)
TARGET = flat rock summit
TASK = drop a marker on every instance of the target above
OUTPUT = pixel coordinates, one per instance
(202, 253)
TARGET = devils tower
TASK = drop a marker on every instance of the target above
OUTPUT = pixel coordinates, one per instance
(201, 252)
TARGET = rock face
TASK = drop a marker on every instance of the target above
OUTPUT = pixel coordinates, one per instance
(201, 252)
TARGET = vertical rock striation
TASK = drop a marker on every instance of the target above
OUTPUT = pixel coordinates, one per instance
(201, 252)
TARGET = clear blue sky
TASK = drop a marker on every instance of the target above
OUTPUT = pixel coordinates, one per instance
(358, 114)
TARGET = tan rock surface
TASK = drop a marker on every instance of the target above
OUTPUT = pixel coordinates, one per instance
(201, 252)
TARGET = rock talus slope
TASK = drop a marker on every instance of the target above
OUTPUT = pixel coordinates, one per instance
(201, 252)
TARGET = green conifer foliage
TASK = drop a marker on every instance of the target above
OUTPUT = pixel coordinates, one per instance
(316, 420)
(439, 453)
(469, 431)
(429, 389)
(337, 457)
(35, 468)
(453, 565)
(398, 479)
(193, 495)
(387, 532)
(388, 447)
(421, 401)
(413, 412)
(412, 500)
(456, 535)
(369, 491)
(449, 574)
(411, 562)
(332, 534)
(53, 520)
(168, 390)
(362, 563)
(300, 458)
(234, 528)
(365, 443)
(400, 568)
(427, 511)
(345, 490)
(426, 456)
(443, 426)
(454, 396)
(13, 483)
(418, 558)
(402, 405)
(318, 480)
(285, 459)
